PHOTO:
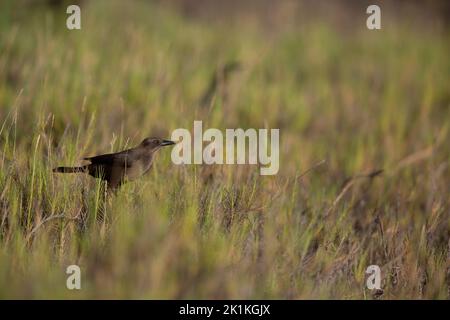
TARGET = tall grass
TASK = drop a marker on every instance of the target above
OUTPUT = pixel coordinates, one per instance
(360, 100)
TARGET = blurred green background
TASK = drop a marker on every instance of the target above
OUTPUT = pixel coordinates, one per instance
(361, 100)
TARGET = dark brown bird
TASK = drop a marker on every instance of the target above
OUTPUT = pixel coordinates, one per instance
(117, 168)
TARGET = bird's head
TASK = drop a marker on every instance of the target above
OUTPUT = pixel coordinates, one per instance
(155, 143)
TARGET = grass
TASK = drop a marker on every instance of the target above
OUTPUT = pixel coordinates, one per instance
(360, 100)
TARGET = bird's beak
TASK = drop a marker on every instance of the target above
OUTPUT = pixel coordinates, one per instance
(167, 143)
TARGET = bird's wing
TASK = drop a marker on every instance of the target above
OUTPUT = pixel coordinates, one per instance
(117, 159)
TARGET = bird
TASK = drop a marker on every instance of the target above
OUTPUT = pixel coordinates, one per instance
(118, 168)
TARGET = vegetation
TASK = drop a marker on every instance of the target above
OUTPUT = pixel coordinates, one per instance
(349, 102)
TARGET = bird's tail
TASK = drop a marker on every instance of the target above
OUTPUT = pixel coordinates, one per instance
(70, 169)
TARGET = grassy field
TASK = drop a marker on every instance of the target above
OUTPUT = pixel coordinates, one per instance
(348, 102)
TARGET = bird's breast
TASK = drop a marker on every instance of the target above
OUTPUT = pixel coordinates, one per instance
(138, 168)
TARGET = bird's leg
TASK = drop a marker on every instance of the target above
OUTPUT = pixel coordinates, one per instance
(105, 204)
(103, 197)
(105, 192)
